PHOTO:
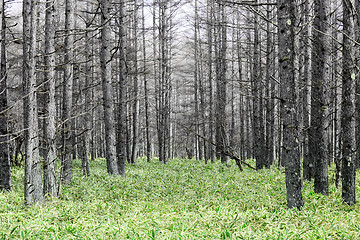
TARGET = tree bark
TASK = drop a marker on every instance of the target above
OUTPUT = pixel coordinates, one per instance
(221, 68)
(108, 105)
(49, 165)
(348, 104)
(290, 153)
(136, 90)
(318, 139)
(68, 140)
(146, 90)
(33, 189)
(5, 171)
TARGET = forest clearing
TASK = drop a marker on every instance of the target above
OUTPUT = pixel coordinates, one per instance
(184, 199)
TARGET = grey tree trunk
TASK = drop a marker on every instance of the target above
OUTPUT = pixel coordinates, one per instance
(210, 28)
(5, 173)
(68, 94)
(49, 74)
(258, 125)
(290, 154)
(108, 104)
(308, 165)
(221, 67)
(269, 142)
(136, 89)
(318, 139)
(196, 80)
(121, 118)
(348, 104)
(146, 90)
(33, 189)
(85, 159)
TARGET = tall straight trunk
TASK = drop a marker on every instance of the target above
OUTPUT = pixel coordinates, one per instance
(308, 165)
(49, 165)
(146, 90)
(33, 189)
(348, 103)
(209, 17)
(121, 118)
(196, 74)
(221, 135)
(68, 93)
(290, 154)
(164, 88)
(108, 104)
(357, 100)
(258, 125)
(136, 89)
(5, 173)
(318, 140)
(269, 142)
(85, 160)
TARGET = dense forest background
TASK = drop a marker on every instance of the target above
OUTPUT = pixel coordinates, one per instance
(274, 81)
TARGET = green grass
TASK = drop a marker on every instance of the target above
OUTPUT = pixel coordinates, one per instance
(182, 200)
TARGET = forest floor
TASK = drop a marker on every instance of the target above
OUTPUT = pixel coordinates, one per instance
(184, 199)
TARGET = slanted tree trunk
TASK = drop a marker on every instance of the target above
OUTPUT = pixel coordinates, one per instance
(108, 104)
(318, 140)
(5, 173)
(290, 153)
(49, 74)
(33, 189)
(348, 104)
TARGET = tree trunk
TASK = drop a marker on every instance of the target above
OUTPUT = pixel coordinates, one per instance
(33, 189)
(136, 90)
(68, 141)
(105, 63)
(318, 140)
(121, 118)
(348, 104)
(221, 67)
(5, 173)
(49, 165)
(210, 28)
(146, 90)
(290, 154)
(308, 165)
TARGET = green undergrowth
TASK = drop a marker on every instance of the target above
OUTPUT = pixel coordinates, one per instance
(184, 199)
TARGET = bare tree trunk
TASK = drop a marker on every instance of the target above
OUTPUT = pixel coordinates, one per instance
(136, 89)
(68, 94)
(105, 62)
(85, 160)
(146, 90)
(49, 165)
(291, 156)
(33, 189)
(121, 118)
(318, 140)
(308, 165)
(5, 173)
(210, 28)
(348, 104)
(220, 116)
(196, 76)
